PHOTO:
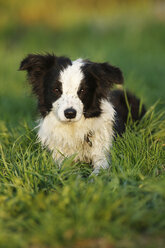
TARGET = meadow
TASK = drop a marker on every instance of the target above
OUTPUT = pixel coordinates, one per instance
(43, 206)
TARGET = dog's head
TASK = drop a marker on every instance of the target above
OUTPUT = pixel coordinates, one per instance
(70, 89)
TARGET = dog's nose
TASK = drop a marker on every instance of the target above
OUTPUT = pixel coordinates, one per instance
(70, 113)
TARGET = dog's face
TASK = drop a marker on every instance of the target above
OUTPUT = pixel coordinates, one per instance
(70, 89)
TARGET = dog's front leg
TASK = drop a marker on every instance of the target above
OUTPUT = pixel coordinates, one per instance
(100, 162)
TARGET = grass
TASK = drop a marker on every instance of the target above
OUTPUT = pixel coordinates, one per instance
(42, 206)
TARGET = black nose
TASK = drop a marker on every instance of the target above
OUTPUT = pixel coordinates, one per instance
(70, 113)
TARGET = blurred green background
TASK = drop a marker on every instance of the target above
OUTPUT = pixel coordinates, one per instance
(129, 34)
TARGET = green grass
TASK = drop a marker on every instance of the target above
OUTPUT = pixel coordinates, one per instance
(42, 206)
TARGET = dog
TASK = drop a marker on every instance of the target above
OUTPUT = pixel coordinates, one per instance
(80, 113)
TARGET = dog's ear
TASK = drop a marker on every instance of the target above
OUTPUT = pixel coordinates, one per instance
(37, 62)
(105, 74)
(36, 67)
(111, 74)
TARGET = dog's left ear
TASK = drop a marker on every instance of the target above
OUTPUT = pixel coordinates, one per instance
(111, 74)
(105, 74)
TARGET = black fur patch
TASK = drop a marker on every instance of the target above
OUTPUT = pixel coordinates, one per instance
(98, 80)
(122, 102)
(43, 72)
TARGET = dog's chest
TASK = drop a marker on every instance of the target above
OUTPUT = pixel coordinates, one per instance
(82, 138)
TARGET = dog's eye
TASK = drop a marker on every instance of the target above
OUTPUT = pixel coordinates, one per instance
(81, 91)
(56, 90)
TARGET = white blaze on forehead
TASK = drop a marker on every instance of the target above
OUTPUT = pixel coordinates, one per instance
(71, 77)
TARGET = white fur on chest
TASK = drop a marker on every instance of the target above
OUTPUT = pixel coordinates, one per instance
(69, 138)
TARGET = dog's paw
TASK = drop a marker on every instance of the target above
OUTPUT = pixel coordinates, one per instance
(96, 171)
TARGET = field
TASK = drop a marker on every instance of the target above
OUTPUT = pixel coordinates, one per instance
(43, 206)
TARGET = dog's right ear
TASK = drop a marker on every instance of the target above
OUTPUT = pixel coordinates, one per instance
(36, 67)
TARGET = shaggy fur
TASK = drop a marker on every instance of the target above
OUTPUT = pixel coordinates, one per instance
(79, 112)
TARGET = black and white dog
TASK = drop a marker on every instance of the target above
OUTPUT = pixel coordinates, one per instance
(79, 113)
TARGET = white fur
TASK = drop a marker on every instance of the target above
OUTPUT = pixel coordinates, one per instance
(70, 78)
(65, 138)
(68, 138)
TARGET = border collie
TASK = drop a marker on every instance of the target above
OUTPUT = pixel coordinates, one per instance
(80, 114)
